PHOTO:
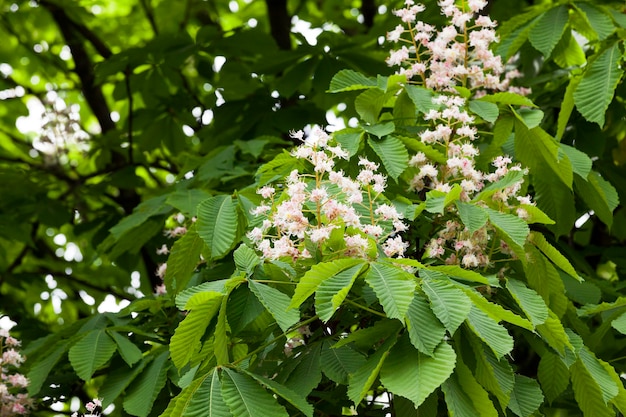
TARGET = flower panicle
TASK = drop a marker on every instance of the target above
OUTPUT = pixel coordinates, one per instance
(14, 401)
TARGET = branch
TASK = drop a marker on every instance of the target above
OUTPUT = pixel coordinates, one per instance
(280, 22)
(146, 8)
(368, 10)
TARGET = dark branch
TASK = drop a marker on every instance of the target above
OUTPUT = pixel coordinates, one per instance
(368, 10)
(280, 22)
(148, 11)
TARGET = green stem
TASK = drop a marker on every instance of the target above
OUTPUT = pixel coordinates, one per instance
(378, 313)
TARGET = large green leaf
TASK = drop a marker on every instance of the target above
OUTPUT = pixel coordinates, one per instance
(146, 388)
(596, 89)
(221, 339)
(91, 352)
(530, 302)
(548, 31)
(543, 277)
(496, 375)
(458, 272)
(246, 398)
(392, 153)
(512, 227)
(393, 286)
(186, 339)
(599, 374)
(465, 397)
(414, 375)
(553, 375)
(599, 195)
(203, 397)
(598, 19)
(421, 97)
(526, 396)
(127, 349)
(581, 163)
(587, 393)
(369, 104)
(331, 292)
(280, 390)
(489, 331)
(218, 224)
(183, 259)
(567, 105)
(41, 368)
(339, 363)
(152, 207)
(312, 279)
(568, 53)
(307, 372)
(472, 216)
(425, 331)
(554, 255)
(556, 199)
(449, 303)
(496, 311)
(486, 110)
(276, 303)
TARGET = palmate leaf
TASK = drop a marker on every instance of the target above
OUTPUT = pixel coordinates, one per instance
(312, 279)
(146, 388)
(490, 332)
(596, 89)
(392, 153)
(183, 259)
(553, 375)
(449, 303)
(425, 331)
(362, 379)
(413, 375)
(530, 302)
(548, 31)
(186, 339)
(331, 292)
(218, 224)
(246, 398)
(339, 363)
(91, 352)
(465, 397)
(280, 390)
(276, 303)
(393, 286)
(203, 397)
(526, 396)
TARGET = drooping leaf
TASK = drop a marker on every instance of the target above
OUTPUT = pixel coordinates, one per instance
(553, 375)
(217, 224)
(414, 375)
(127, 349)
(600, 375)
(449, 303)
(276, 303)
(489, 331)
(464, 396)
(332, 292)
(511, 226)
(246, 398)
(496, 311)
(140, 398)
(183, 260)
(554, 255)
(548, 31)
(596, 89)
(280, 390)
(581, 163)
(526, 396)
(529, 301)
(393, 286)
(392, 153)
(587, 393)
(312, 279)
(362, 379)
(425, 331)
(91, 352)
(307, 372)
(472, 216)
(496, 375)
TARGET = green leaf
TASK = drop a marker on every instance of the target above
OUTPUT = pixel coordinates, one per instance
(509, 179)
(369, 104)
(361, 381)
(619, 323)
(349, 140)
(392, 153)
(490, 332)
(187, 200)
(458, 272)
(91, 352)
(186, 339)
(535, 215)
(567, 105)
(246, 398)
(280, 390)
(465, 397)
(599, 374)
(339, 363)
(526, 396)
(421, 97)
(153, 207)
(568, 52)
(581, 163)
(591, 309)
(548, 31)
(530, 302)
(221, 340)
(449, 303)
(495, 375)
(362, 338)
(543, 277)
(276, 303)
(511, 226)
(556, 199)
(245, 259)
(496, 311)
(306, 374)
(437, 201)
(393, 286)
(312, 279)
(486, 110)
(553, 333)
(331, 292)
(127, 349)
(425, 331)
(507, 98)
(554, 255)
(349, 80)
(183, 260)
(39, 370)
(553, 375)
(203, 397)
(414, 375)
(217, 224)
(530, 117)
(472, 216)
(146, 388)
(599, 20)
(381, 129)
(599, 195)
(587, 393)
(596, 89)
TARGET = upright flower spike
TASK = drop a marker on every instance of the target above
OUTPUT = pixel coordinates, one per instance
(13, 399)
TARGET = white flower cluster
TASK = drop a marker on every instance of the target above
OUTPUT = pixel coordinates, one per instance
(92, 408)
(13, 401)
(315, 206)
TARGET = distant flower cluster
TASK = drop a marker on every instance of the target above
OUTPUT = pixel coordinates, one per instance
(327, 207)
(93, 409)
(13, 400)
(456, 56)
